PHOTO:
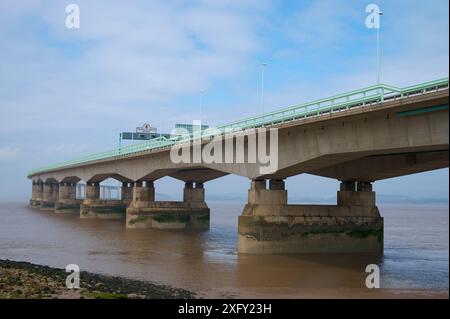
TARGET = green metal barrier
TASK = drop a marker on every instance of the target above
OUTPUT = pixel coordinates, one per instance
(358, 98)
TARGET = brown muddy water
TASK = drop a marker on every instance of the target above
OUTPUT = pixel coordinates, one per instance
(415, 261)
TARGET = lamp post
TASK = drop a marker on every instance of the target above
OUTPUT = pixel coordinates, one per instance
(373, 20)
(378, 46)
(202, 93)
(201, 104)
(263, 66)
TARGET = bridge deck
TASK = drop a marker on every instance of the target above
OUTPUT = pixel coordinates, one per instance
(358, 99)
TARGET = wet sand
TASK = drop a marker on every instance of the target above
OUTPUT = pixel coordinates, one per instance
(23, 280)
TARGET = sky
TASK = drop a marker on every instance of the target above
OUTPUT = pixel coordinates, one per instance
(69, 92)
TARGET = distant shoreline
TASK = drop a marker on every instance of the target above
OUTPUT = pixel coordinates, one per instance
(24, 280)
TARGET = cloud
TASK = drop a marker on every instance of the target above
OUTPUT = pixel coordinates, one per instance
(321, 24)
(9, 153)
(121, 59)
(69, 149)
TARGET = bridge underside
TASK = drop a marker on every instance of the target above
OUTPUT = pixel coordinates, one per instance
(385, 166)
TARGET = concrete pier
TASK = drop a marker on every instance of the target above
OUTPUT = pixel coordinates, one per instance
(67, 201)
(268, 225)
(145, 212)
(36, 194)
(127, 193)
(49, 196)
(93, 207)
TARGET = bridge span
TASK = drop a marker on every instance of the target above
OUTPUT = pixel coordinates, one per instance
(358, 138)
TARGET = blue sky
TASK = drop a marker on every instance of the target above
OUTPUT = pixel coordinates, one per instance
(65, 93)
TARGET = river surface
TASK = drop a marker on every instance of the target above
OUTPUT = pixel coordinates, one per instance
(416, 256)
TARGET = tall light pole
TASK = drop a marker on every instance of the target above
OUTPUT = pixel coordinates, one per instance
(373, 20)
(263, 66)
(201, 104)
(378, 47)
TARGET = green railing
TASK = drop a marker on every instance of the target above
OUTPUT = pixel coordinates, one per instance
(359, 98)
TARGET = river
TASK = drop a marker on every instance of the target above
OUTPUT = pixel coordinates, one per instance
(415, 261)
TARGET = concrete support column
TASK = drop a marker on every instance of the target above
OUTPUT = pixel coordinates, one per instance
(92, 192)
(48, 196)
(348, 186)
(356, 194)
(143, 193)
(55, 189)
(33, 191)
(364, 187)
(191, 194)
(259, 195)
(36, 193)
(39, 191)
(127, 193)
(276, 184)
(72, 191)
(67, 192)
(67, 201)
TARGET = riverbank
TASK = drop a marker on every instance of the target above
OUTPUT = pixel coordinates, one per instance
(23, 280)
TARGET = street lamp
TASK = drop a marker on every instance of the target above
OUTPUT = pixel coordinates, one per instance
(378, 47)
(263, 65)
(201, 104)
(373, 20)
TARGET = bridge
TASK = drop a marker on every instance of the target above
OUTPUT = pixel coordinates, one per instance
(358, 138)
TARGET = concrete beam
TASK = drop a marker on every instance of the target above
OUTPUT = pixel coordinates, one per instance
(197, 174)
(98, 178)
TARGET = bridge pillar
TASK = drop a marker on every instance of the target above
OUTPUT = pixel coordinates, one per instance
(49, 196)
(191, 194)
(145, 212)
(143, 194)
(127, 193)
(269, 225)
(67, 199)
(36, 193)
(356, 194)
(94, 207)
(92, 193)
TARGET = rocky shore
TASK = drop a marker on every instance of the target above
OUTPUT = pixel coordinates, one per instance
(26, 280)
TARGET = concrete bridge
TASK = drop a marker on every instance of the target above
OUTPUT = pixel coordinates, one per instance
(358, 138)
